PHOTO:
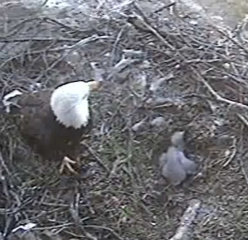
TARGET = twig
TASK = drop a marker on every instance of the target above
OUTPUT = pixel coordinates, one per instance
(105, 228)
(52, 20)
(165, 6)
(121, 65)
(233, 154)
(98, 159)
(53, 227)
(116, 163)
(79, 44)
(57, 49)
(18, 26)
(8, 40)
(216, 95)
(229, 38)
(98, 72)
(4, 166)
(143, 25)
(115, 46)
(244, 171)
(243, 119)
(184, 231)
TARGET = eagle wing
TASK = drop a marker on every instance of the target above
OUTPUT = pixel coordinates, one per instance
(39, 128)
(31, 115)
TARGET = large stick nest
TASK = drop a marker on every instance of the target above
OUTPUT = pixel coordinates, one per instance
(192, 75)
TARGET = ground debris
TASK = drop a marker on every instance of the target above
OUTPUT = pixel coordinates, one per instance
(161, 74)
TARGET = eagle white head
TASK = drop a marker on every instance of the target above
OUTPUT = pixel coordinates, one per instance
(70, 105)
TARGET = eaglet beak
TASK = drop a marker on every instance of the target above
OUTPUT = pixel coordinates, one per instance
(94, 85)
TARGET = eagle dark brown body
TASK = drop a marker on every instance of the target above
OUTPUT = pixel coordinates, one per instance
(40, 129)
(54, 123)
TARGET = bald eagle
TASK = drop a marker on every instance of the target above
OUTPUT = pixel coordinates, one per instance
(53, 122)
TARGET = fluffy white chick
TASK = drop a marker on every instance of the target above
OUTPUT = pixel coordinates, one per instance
(171, 166)
(175, 166)
(188, 165)
(177, 140)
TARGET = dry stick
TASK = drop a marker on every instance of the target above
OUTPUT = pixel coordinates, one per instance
(79, 44)
(243, 169)
(56, 49)
(4, 166)
(233, 154)
(141, 24)
(184, 230)
(104, 228)
(98, 159)
(18, 27)
(229, 38)
(164, 7)
(9, 40)
(115, 46)
(98, 72)
(216, 95)
(52, 20)
(243, 119)
(241, 149)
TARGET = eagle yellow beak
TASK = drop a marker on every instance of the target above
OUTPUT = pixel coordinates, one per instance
(94, 85)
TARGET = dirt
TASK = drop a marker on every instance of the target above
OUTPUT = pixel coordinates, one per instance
(232, 11)
(119, 193)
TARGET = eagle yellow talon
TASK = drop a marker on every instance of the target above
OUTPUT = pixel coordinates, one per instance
(66, 163)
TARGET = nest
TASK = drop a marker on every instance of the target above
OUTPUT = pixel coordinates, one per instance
(192, 75)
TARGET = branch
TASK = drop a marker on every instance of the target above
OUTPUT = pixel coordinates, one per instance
(98, 159)
(140, 23)
(184, 231)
